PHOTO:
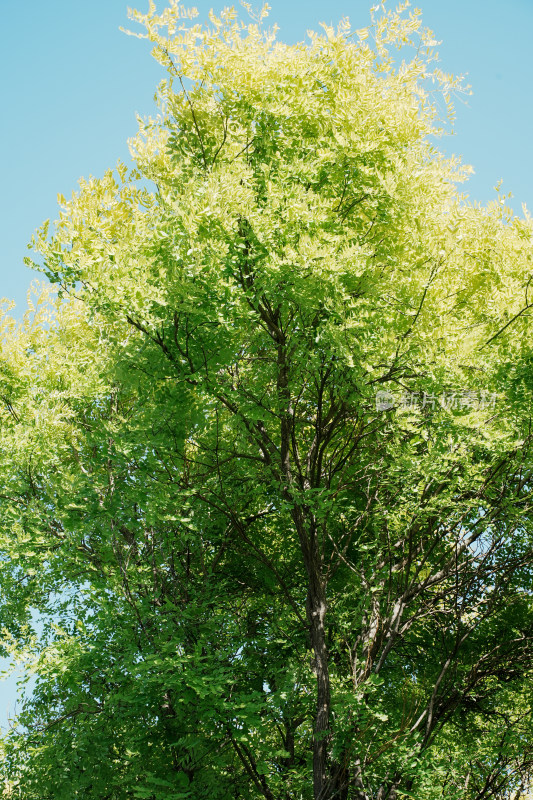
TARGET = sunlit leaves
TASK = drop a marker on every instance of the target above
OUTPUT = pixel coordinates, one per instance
(194, 465)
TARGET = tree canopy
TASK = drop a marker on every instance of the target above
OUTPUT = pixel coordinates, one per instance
(265, 443)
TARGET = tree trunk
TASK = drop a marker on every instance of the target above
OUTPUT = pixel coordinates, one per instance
(316, 613)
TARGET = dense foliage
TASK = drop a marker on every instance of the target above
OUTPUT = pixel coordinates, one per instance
(265, 459)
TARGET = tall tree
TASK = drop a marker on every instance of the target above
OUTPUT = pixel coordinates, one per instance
(266, 462)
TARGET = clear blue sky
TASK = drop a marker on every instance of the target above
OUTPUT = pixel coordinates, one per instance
(71, 84)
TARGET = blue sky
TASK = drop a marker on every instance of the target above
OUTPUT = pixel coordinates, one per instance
(71, 83)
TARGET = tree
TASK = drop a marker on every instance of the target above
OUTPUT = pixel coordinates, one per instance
(266, 459)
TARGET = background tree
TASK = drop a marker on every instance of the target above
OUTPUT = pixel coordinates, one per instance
(257, 576)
